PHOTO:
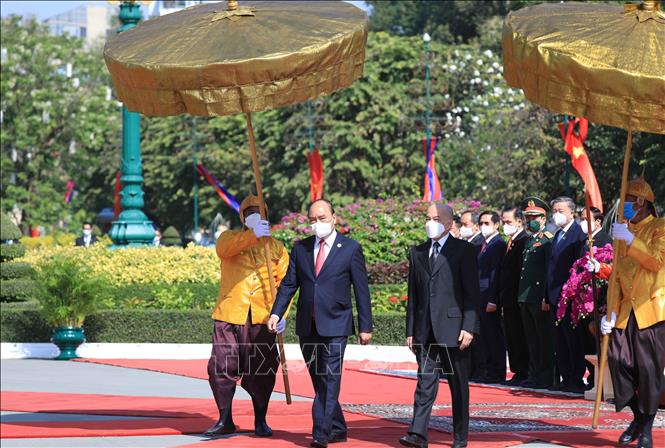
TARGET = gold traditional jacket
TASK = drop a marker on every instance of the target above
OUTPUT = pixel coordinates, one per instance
(642, 276)
(244, 277)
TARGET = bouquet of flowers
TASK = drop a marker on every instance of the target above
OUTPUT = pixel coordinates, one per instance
(578, 291)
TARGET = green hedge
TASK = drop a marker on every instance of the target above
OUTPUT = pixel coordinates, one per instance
(8, 230)
(164, 326)
(15, 270)
(11, 251)
(17, 289)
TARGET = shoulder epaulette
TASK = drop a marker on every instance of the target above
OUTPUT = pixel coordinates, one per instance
(548, 234)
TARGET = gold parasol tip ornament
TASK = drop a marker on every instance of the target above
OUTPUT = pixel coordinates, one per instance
(648, 9)
(233, 12)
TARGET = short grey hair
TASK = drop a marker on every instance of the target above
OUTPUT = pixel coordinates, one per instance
(569, 202)
(443, 209)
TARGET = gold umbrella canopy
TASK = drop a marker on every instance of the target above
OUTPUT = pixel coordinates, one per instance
(219, 59)
(599, 61)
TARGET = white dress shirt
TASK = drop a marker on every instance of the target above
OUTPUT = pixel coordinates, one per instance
(329, 241)
(441, 242)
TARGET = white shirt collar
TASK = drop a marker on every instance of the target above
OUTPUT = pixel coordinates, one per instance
(474, 235)
(487, 240)
(441, 242)
(330, 239)
(516, 234)
(565, 229)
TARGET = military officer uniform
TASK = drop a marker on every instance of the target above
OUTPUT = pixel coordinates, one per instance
(531, 298)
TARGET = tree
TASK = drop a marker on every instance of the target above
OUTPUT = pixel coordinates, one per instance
(58, 122)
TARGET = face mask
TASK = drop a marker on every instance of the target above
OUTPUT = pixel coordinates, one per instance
(434, 229)
(252, 220)
(87, 232)
(509, 230)
(534, 226)
(487, 230)
(560, 219)
(628, 211)
(585, 226)
(465, 232)
(322, 229)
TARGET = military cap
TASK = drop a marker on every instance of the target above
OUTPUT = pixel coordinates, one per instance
(535, 206)
(641, 190)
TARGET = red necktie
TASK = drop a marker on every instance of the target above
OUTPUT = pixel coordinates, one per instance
(510, 243)
(482, 249)
(321, 256)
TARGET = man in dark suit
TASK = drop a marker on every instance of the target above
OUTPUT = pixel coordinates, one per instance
(324, 267)
(88, 238)
(469, 229)
(441, 320)
(509, 280)
(489, 349)
(569, 342)
(600, 236)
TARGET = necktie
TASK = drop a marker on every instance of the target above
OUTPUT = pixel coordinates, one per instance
(510, 242)
(482, 249)
(559, 236)
(435, 253)
(321, 256)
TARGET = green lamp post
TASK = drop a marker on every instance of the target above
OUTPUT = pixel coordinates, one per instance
(133, 228)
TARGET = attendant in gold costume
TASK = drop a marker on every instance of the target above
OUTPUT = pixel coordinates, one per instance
(637, 310)
(242, 345)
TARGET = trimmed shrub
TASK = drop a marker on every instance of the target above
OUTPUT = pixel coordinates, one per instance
(11, 251)
(15, 270)
(161, 326)
(17, 289)
(171, 237)
(388, 273)
(54, 239)
(8, 230)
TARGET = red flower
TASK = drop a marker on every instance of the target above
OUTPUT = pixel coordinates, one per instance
(393, 299)
(405, 298)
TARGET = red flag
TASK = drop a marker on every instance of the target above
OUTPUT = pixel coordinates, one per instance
(432, 190)
(575, 147)
(316, 175)
(116, 196)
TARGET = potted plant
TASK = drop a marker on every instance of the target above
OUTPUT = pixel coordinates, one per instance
(69, 291)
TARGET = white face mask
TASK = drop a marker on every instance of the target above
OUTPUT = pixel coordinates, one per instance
(585, 226)
(87, 232)
(252, 220)
(434, 229)
(509, 229)
(487, 230)
(465, 232)
(560, 219)
(322, 229)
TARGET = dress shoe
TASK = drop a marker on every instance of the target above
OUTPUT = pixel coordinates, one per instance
(574, 388)
(318, 444)
(459, 444)
(223, 426)
(631, 433)
(556, 387)
(516, 380)
(261, 428)
(337, 438)
(494, 380)
(645, 441)
(413, 440)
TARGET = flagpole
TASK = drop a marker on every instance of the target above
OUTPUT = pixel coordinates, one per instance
(428, 133)
(196, 176)
(565, 128)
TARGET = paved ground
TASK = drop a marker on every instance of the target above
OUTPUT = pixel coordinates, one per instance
(75, 377)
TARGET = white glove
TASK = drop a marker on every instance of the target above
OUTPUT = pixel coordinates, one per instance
(621, 232)
(262, 229)
(593, 266)
(605, 326)
(281, 325)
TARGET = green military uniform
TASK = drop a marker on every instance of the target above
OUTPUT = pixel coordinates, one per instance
(531, 296)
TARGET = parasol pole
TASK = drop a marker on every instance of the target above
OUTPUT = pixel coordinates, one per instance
(614, 281)
(266, 248)
(594, 289)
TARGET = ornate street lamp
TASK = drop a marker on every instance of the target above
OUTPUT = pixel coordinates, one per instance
(133, 228)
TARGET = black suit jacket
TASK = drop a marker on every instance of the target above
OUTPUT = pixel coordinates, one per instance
(564, 254)
(511, 270)
(600, 239)
(329, 294)
(489, 263)
(80, 242)
(443, 298)
(478, 242)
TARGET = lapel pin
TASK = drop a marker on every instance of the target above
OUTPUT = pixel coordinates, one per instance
(339, 244)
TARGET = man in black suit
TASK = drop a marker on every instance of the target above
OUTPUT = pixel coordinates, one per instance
(569, 342)
(441, 320)
(600, 236)
(469, 229)
(509, 280)
(489, 349)
(324, 267)
(88, 238)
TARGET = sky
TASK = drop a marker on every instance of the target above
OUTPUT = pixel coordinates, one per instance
(45, 9)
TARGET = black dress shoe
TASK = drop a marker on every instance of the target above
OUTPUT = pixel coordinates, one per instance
(413, 440)
(223, 426)
(337, 438)
(494, 380)
(645, 441)
(631, 433)
(574, 388)
(459, 444)
(556, 387)
(516, 380)
(318, 444)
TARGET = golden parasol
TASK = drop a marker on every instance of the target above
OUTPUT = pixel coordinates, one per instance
(600, 61)
(222, 59)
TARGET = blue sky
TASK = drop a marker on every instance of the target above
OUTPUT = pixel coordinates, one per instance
(45, 9)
